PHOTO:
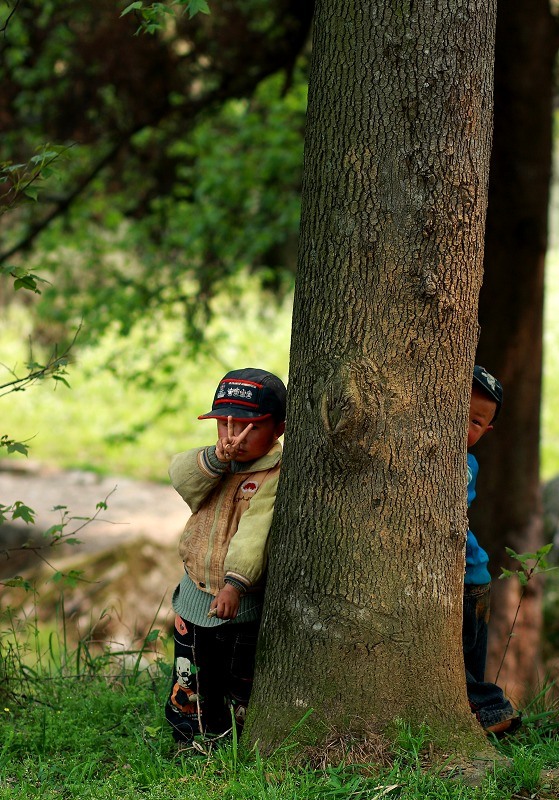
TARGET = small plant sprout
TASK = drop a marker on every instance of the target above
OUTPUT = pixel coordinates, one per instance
(531, 564)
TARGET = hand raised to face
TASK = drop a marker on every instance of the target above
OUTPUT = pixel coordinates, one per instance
(227, 446)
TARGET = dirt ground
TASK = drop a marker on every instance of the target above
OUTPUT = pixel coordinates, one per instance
(128, 554)
(135, 508)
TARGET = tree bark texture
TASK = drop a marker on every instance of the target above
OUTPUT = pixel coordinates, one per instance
(362, 619)
(507, 511)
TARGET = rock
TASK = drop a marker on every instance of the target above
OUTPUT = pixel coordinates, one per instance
(135, 509)
(121, 595)
(127, 556)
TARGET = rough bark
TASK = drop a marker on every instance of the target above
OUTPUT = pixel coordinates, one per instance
(362, 620)
(508, 509)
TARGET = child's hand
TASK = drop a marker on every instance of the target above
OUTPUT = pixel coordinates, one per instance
(226, 604)
(227, 447)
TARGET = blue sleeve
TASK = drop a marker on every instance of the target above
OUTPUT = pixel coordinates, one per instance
(473, 468)
(476, 557)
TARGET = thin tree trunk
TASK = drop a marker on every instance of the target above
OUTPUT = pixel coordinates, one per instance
(362, 619)
(508, 509)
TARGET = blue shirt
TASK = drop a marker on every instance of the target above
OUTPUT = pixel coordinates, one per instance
(476, 557)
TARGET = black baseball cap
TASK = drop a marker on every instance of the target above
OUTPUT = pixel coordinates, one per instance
(490, 385)
(251, 394)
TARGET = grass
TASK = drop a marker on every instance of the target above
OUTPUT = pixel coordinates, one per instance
(84, 723)
(92, 425)
(550, 418)
(110, 424)
(101, 737)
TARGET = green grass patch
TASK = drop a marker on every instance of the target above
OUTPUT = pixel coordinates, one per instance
(96, 738)
(550, 418)
(78, 725)
(131, 405)
(110, 423)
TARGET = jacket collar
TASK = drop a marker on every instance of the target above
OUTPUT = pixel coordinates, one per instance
(268, 461)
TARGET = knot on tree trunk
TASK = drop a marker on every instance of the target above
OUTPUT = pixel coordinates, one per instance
(351, 404)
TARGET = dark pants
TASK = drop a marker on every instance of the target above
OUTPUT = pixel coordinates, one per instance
(212, 677)
(487, 701)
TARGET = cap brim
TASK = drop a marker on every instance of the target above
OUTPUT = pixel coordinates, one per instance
(237, 414)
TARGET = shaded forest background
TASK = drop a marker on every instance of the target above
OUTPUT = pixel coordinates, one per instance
(166, 224)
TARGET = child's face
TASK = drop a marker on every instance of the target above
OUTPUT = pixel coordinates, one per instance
(482, 411)
(258, 440)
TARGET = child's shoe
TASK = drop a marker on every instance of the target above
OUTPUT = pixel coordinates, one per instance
(506, 727)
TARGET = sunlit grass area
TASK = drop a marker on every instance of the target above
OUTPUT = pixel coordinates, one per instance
(550, 404)
(86, 725)
(108, 424)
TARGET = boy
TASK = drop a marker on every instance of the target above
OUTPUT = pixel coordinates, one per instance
(487, 701)
(230, 488)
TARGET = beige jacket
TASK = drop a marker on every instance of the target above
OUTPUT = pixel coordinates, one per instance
(227, 533)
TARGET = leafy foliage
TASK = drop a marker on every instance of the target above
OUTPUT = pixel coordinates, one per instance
(152, 15)
(54, 367)
(63, 532)
(164, 201)
(531, 564)
(166, 195)
(20, 182)
(234, 205)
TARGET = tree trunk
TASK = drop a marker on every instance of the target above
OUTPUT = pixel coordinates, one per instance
(362, 620)
(508, 509)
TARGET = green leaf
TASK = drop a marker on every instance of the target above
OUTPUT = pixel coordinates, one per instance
(61, 380)
(161, 8)
(73, 576)
(25, 283)
(24, 279)
(54, 530)
(197, 7)
(21, 511)
(152, 636)
(18, 447)
(41, 158)
(506, 573)
(524, 558)
(18, 583)
(31, 191)
(132, 7)
(523, 578)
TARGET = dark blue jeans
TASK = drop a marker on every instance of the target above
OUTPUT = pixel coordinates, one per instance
(487, 700)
